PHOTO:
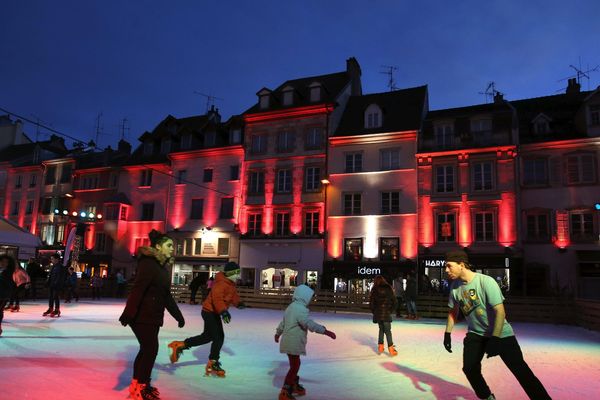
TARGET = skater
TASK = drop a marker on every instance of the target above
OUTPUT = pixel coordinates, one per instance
(56, 283)
(7, 285)
(293, 328)
(382, 303)
(194, 286)
(22, 282)
(398, 286)
(35, 272)
(72, 285)
(411, 296)
(481, 302)
(145, 308)
(214, 309)
(96, 284)
(121, 284)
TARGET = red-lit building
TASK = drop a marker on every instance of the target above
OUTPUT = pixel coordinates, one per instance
(372, 191)
(468, 192)
(282, 219)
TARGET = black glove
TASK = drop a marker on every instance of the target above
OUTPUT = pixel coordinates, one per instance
(241, 305)
(226, 316)
(448, 342)
(493, 346)
(125, 320)
(181, 323)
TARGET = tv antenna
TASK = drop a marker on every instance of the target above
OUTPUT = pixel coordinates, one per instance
(580, 73)
(38, 123)
(99, 128)
(210, 99)
(124, 128)
(389, 71)
(490, 92)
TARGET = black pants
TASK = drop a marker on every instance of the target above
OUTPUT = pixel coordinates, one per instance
(510, 353)
(147, 337)
(72, 293)
(17, 292)
(193, 294)
(385, 327)
(213, 332)
(54, 298)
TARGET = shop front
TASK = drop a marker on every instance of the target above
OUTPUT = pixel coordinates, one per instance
(281, 264)
(185, 269)
(357, 276)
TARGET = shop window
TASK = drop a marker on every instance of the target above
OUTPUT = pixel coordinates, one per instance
(537, 226)
(581, 168)
(256, 182)
(582, 225)
(311, 223)
(197, 209)
(389, 159)
(226, 208)
(254, 224)
(535, 171)
(223, 246)
(389, 249)
(352, 203)
(390, 202)
(60, 233)
(313, 179)
(446, 227)
(147, 212)
(353, 162)
(484, 226)
(146, 177)
(353, 249)
(282, 224)
(208, 175)
(284, 181)
(482, 175)
(444, 179)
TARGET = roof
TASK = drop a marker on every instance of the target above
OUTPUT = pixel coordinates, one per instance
(402, 111)
(20, 155)
(451, 113)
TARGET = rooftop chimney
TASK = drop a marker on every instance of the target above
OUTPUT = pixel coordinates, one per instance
(353, 69)
(573, 86)
(498, 98)
(124, 147)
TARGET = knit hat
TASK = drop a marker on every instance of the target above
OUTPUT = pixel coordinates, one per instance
(230, 268)
(457, 256)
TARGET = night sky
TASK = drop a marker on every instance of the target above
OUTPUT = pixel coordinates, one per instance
(67, 61)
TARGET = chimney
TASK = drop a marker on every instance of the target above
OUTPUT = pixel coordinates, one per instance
(353, 69)
(57, 141)
(498, 98)
(573, 86)
(124, 147)
(214, 115)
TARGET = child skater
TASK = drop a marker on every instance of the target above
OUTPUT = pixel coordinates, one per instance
(294, 329)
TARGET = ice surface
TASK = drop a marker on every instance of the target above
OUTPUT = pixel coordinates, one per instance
(87, 354)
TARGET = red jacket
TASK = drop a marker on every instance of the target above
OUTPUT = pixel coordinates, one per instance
(221, 296)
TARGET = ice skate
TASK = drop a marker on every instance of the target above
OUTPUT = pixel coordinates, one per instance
(393, 351)
(132, 388)
(297, 388)
(380, 348)
(213, 367)
(15, 309)
(48, 312)
(286, 393)
(177, 348)
(144, 392)
(55, 313)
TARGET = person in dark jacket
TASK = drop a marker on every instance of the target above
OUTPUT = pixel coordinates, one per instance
(35, 272)
(145, 309)
(72, 285)
(56, 283)
(7, 285)
(383, 303)
(411, 296)
(194, 286)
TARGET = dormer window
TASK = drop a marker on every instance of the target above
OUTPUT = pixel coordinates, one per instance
(235, 136)
(165, 146)
(288, 96)
(148, 148)
(263, 98)
(315, 92)
(373, 117)
(541, 125)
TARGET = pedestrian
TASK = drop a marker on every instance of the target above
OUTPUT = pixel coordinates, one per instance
(214, 309)
(194, 286)
(398, 286)
(72, 284)
(293, 331)
(34, 270)
(56, 283)
(480, 300)
(145, 308)
(22, 282)
(7, 285)
(96, 284)
(382, 303)
(121, 284)
(411, 296)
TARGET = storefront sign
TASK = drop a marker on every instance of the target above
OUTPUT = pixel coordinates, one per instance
(368, 271)
(209, 248)
(435, 263)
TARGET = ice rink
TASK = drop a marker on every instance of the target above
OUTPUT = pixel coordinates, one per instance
(87, 354)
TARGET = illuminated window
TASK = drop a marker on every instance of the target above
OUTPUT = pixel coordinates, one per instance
(444, 136)
(313, 179)
(311, 223)
(254, 224)
(482, 176)
(446, 227)
(582, 225)
(581, 168)
(353, 162)
(285, 141)
(389, 249)
(352, 204)
(256, 182)
(484, 226)
(353, 249)
(147, 212)
(314, 139)
(146, 177)
(89, 208)
(60, 233)
(284, 181)
(282, 223)
(389, 159)
(226, 208)
(535, 171)
(390, 202)
(208, 175)
(197, 209)
(258, 144)
(444, 179)
(537, 226)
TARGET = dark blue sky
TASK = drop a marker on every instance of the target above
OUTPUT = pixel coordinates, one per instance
(67, 61)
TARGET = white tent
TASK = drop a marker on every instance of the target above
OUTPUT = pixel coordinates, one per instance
(12, 235)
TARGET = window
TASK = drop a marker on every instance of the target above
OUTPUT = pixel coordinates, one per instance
(282, 224)
(18, 181)
(595, 114)
(288, 97)
(541, 127)
(144, 242)
(50, 175)
(256, 182)
(582, 225)
(446, 227)
(113, 179)
(65, 176)
(197, 209)
(444, 136)
(254, 224)
(148, 148)
(313, 179)
(284, 181)
(188, 249)
(60, 233)
(88, 182)
(390, 203)
(15, 209)
(315, 93)
(89, 208)
(285, 141)
(100, 245)
(146, 177)
(181, 177)
(32, 180)
(178, 243)
(264, 101)
(373, 116)
(235, 136)
(352, 203)
(537, 226)
(390, 159)
(482, 176)
(226, 208)
(208, 175)
(259, 144)
(389, 249)
(481, 130)
(535, 171)
(484, 226)
(123, 216)
(234, 172)
(48, 234)
(354, 162)
(197, 246)
(165, 146)
(444, 179)
(147, 212)
(581, 168)
(210, 139)
(353, 249)
(185, 142)
(314, 139)
(223, 246)
(29, 209)
(111, 212)
(311, 223)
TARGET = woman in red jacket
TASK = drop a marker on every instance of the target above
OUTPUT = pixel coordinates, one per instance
(145, 308)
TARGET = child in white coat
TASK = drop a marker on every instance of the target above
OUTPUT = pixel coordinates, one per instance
(294, 328)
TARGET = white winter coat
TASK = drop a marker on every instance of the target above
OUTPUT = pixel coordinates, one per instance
(296, 324)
